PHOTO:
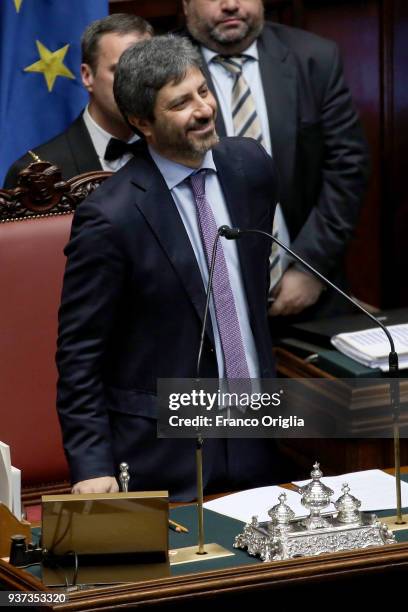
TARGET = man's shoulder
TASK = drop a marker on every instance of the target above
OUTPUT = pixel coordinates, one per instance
(230, 147)
(119, 191)
(76, 127)
(244, 156)
(53, 150)
(302, 43)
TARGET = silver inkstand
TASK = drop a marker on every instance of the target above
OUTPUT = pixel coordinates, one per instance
(285, 537)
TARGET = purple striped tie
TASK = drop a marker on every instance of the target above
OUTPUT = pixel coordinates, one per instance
(227, 319)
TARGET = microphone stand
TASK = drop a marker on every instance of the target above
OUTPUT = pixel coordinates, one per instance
(202, 552)
(394, 522)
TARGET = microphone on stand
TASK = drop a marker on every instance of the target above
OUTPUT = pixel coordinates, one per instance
(235, 233)
(211, 550)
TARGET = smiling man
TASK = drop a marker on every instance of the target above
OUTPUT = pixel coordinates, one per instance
(285, 87)
(134, 288)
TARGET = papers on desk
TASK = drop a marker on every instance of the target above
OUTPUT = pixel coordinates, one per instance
(374, 488)
(371, 347)
(5, 475)
(245, 504)
(10, 482)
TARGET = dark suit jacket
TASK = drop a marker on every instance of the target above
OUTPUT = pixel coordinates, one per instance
(72, 151)
(317, 141)
(131, 313)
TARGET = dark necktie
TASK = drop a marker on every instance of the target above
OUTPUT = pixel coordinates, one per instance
(227, 319)
(117, 148)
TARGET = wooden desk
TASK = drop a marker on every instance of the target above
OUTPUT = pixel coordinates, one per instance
(337, 456)
(245, 585)
(326, 576)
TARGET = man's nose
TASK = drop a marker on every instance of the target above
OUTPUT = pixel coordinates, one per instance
(230, 5)
(203, 109)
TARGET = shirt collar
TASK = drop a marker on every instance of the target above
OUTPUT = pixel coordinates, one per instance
(99, 136)
(252, 52)
(175, 173)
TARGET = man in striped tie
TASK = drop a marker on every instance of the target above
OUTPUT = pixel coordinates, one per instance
(284, 87)
(134, 288)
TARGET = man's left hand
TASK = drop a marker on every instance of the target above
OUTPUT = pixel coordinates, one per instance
(295, 292)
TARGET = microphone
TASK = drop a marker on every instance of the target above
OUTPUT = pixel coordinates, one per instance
(234, 233)
(230, 233)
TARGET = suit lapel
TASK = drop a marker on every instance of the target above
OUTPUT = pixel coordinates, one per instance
(231, 174)
(156, 204)
(82, 149)
(278, 74)
(219, 122)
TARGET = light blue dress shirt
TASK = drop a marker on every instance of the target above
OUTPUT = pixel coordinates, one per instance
(175, 175)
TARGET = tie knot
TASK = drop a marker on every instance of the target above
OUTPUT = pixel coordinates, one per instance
(232, 63)
(197, 180)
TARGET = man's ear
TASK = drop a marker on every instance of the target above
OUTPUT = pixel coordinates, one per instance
(185, 6)
(87, 77)
(142, 125)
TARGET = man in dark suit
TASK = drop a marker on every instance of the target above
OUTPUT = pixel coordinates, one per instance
(306, 121)
(134, 287)
(83, 147)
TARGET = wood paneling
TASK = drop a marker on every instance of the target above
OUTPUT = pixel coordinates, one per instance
(355, 28)
(395, 208)
(164, 15)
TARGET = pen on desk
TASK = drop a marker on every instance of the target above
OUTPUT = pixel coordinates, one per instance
(177, 527)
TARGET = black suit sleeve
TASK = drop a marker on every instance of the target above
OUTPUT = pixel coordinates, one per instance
(72, 152)
(92, 288)
(323, 238)
(11, 177)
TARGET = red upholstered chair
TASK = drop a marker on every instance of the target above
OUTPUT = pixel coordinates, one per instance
(35, 221)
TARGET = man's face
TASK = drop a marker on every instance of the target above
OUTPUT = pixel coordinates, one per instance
(99, 82)
(226, 26)
(183, 128)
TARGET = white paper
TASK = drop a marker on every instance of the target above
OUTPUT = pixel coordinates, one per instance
(255, 502)
(16, 491)
(371, 347)
(5, 476)
(375, 489)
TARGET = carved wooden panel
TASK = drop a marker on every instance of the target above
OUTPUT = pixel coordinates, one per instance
(41, 191)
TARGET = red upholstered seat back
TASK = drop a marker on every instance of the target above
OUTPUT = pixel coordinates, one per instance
(31, 271)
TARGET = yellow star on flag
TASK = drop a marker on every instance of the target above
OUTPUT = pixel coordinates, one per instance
(51, 64)
(17, 4)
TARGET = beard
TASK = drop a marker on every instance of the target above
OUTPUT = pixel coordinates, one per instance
(221, 38)
(186, 144)
(232, 36)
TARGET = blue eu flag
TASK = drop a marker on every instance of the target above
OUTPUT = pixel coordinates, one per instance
(40, 84)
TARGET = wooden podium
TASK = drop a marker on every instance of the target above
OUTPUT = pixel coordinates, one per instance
(238, 585)
(326, 575)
